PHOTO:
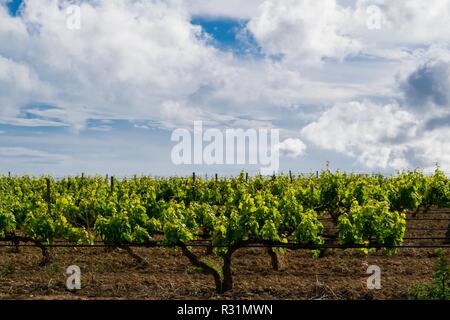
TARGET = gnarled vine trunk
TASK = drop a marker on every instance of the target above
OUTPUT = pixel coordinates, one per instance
(139, 259)
(222, 280)
(46, 256)
(274, 259)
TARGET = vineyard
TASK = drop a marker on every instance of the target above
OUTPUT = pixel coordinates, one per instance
(210, 220)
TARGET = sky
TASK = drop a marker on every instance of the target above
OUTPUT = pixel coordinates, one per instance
(362, 84)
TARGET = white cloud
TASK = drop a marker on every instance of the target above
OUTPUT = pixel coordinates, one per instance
(145, 62)
(125, 61)
(403, 22)
(31, 122)
(375, 135)
(18, 84)
(102, 128)
(302, 31)
(141, 126)
(28, 154)
(178, 114)
(381, 136)
(119, 66)
(434, 147)
(235, 9)
(307, 31)
(141, 60)
(292, 147)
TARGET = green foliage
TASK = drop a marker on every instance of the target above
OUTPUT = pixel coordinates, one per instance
(367, 209)
(372, 224)
(406, 191)
(309, 229)
(120, 229)
(439, 289)
(437, 190)
(40, 225)
(7, 222)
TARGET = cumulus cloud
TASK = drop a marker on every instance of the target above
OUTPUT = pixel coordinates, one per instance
(402, 22)
(141, 60)
(118, 64)
(433, 147)
(302, 31)
(430, 83)
(310, 30)
(381, 136)
(426, 84)
(291, 147)
(373, 134)
(18, 84)
(144, 61)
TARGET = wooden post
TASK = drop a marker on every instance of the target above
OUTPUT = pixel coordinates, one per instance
(217, 178)
(290, 175)
(193, 183)
(48, 195)
(246, 177)
(317, 174)
(9, 174)
(112, 183)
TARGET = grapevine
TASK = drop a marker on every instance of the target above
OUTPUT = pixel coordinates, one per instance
(224, 214)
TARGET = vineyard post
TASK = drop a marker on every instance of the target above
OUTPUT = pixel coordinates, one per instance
(274, 260)
(217, 178)
(82, 175)
(317, 174)
(48, 194)
(9, 174)
(107, 177)
(246, 177)
(112, 183)
(290, 175)
(193, 185)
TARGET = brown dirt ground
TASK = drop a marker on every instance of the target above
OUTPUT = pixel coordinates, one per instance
(115, 275)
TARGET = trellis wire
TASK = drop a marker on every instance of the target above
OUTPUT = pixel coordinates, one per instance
(256, 245)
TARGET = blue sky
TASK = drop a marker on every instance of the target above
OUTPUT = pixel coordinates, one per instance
(13, 6)
(367, 92)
